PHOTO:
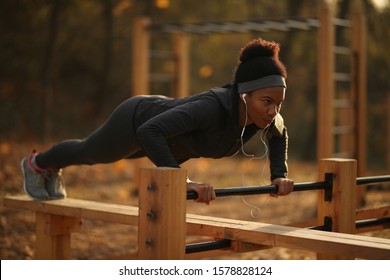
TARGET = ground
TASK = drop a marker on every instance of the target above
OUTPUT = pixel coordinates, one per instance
(114, 183)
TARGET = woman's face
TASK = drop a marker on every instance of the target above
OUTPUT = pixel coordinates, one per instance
(263, 105)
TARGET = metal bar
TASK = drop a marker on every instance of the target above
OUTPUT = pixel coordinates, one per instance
(157, 54)
(297, 24)
(342, 77)
(374, 222)
(342, 22)
(342, 50)
(252, 190)
(372, 179)
(241, 27)
(343, 129)
(385, 221)
(208, 246)
(342, 103)
(160, 78)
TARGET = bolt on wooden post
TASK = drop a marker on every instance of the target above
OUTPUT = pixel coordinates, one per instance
(162, 213)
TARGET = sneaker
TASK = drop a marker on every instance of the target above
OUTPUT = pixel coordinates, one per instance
(55, 185)
(34, 182)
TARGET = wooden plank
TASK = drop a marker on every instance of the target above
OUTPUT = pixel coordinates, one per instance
(365, 214)
(107, 212)
(162, 213)
(348, 245)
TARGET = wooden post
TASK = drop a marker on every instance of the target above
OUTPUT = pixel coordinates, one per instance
(162, 213)
(347, 121)
(359, 89)
(325, 139)
(388, 133)
(140, 56)
(53, 233)
(181, 50)
(140, 72)
(359, 84)
(342, 208)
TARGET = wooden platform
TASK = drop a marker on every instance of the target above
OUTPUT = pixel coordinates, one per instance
(77, 208)
(347, 245)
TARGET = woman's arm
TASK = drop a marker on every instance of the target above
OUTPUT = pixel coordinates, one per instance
(278, 146)
(154, 134)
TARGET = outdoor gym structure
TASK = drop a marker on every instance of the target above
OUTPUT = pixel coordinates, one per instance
(163, 223)
(161, 217)
(341, 117)
(341, 114)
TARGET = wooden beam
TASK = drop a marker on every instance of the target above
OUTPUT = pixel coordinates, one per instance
(84, 209)
(365, 214)
(347, 245)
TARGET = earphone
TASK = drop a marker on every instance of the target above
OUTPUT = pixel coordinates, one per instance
(255, 209)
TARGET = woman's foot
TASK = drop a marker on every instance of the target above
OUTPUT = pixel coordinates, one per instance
(34, 181)
(55, 185)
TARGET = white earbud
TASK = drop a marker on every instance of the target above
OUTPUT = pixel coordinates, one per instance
(243, 97)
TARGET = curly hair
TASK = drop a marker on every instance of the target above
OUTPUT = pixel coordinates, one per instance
(257, 59)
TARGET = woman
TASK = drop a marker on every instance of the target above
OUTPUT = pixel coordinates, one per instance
(212, 124)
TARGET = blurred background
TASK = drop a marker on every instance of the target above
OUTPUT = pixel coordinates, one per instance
(69, 62)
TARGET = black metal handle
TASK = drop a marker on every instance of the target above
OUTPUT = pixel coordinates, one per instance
(252, 190)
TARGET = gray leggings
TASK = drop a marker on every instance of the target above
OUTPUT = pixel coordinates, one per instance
(115, 140)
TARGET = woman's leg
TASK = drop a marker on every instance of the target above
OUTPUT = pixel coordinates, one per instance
(114, 140)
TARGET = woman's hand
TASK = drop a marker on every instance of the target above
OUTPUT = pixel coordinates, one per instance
(205, 191)
(285, 186)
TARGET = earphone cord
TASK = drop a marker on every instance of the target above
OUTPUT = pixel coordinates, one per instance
(255, 209)
(262, 136)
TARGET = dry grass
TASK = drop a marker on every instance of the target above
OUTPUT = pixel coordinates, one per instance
(114, 183)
